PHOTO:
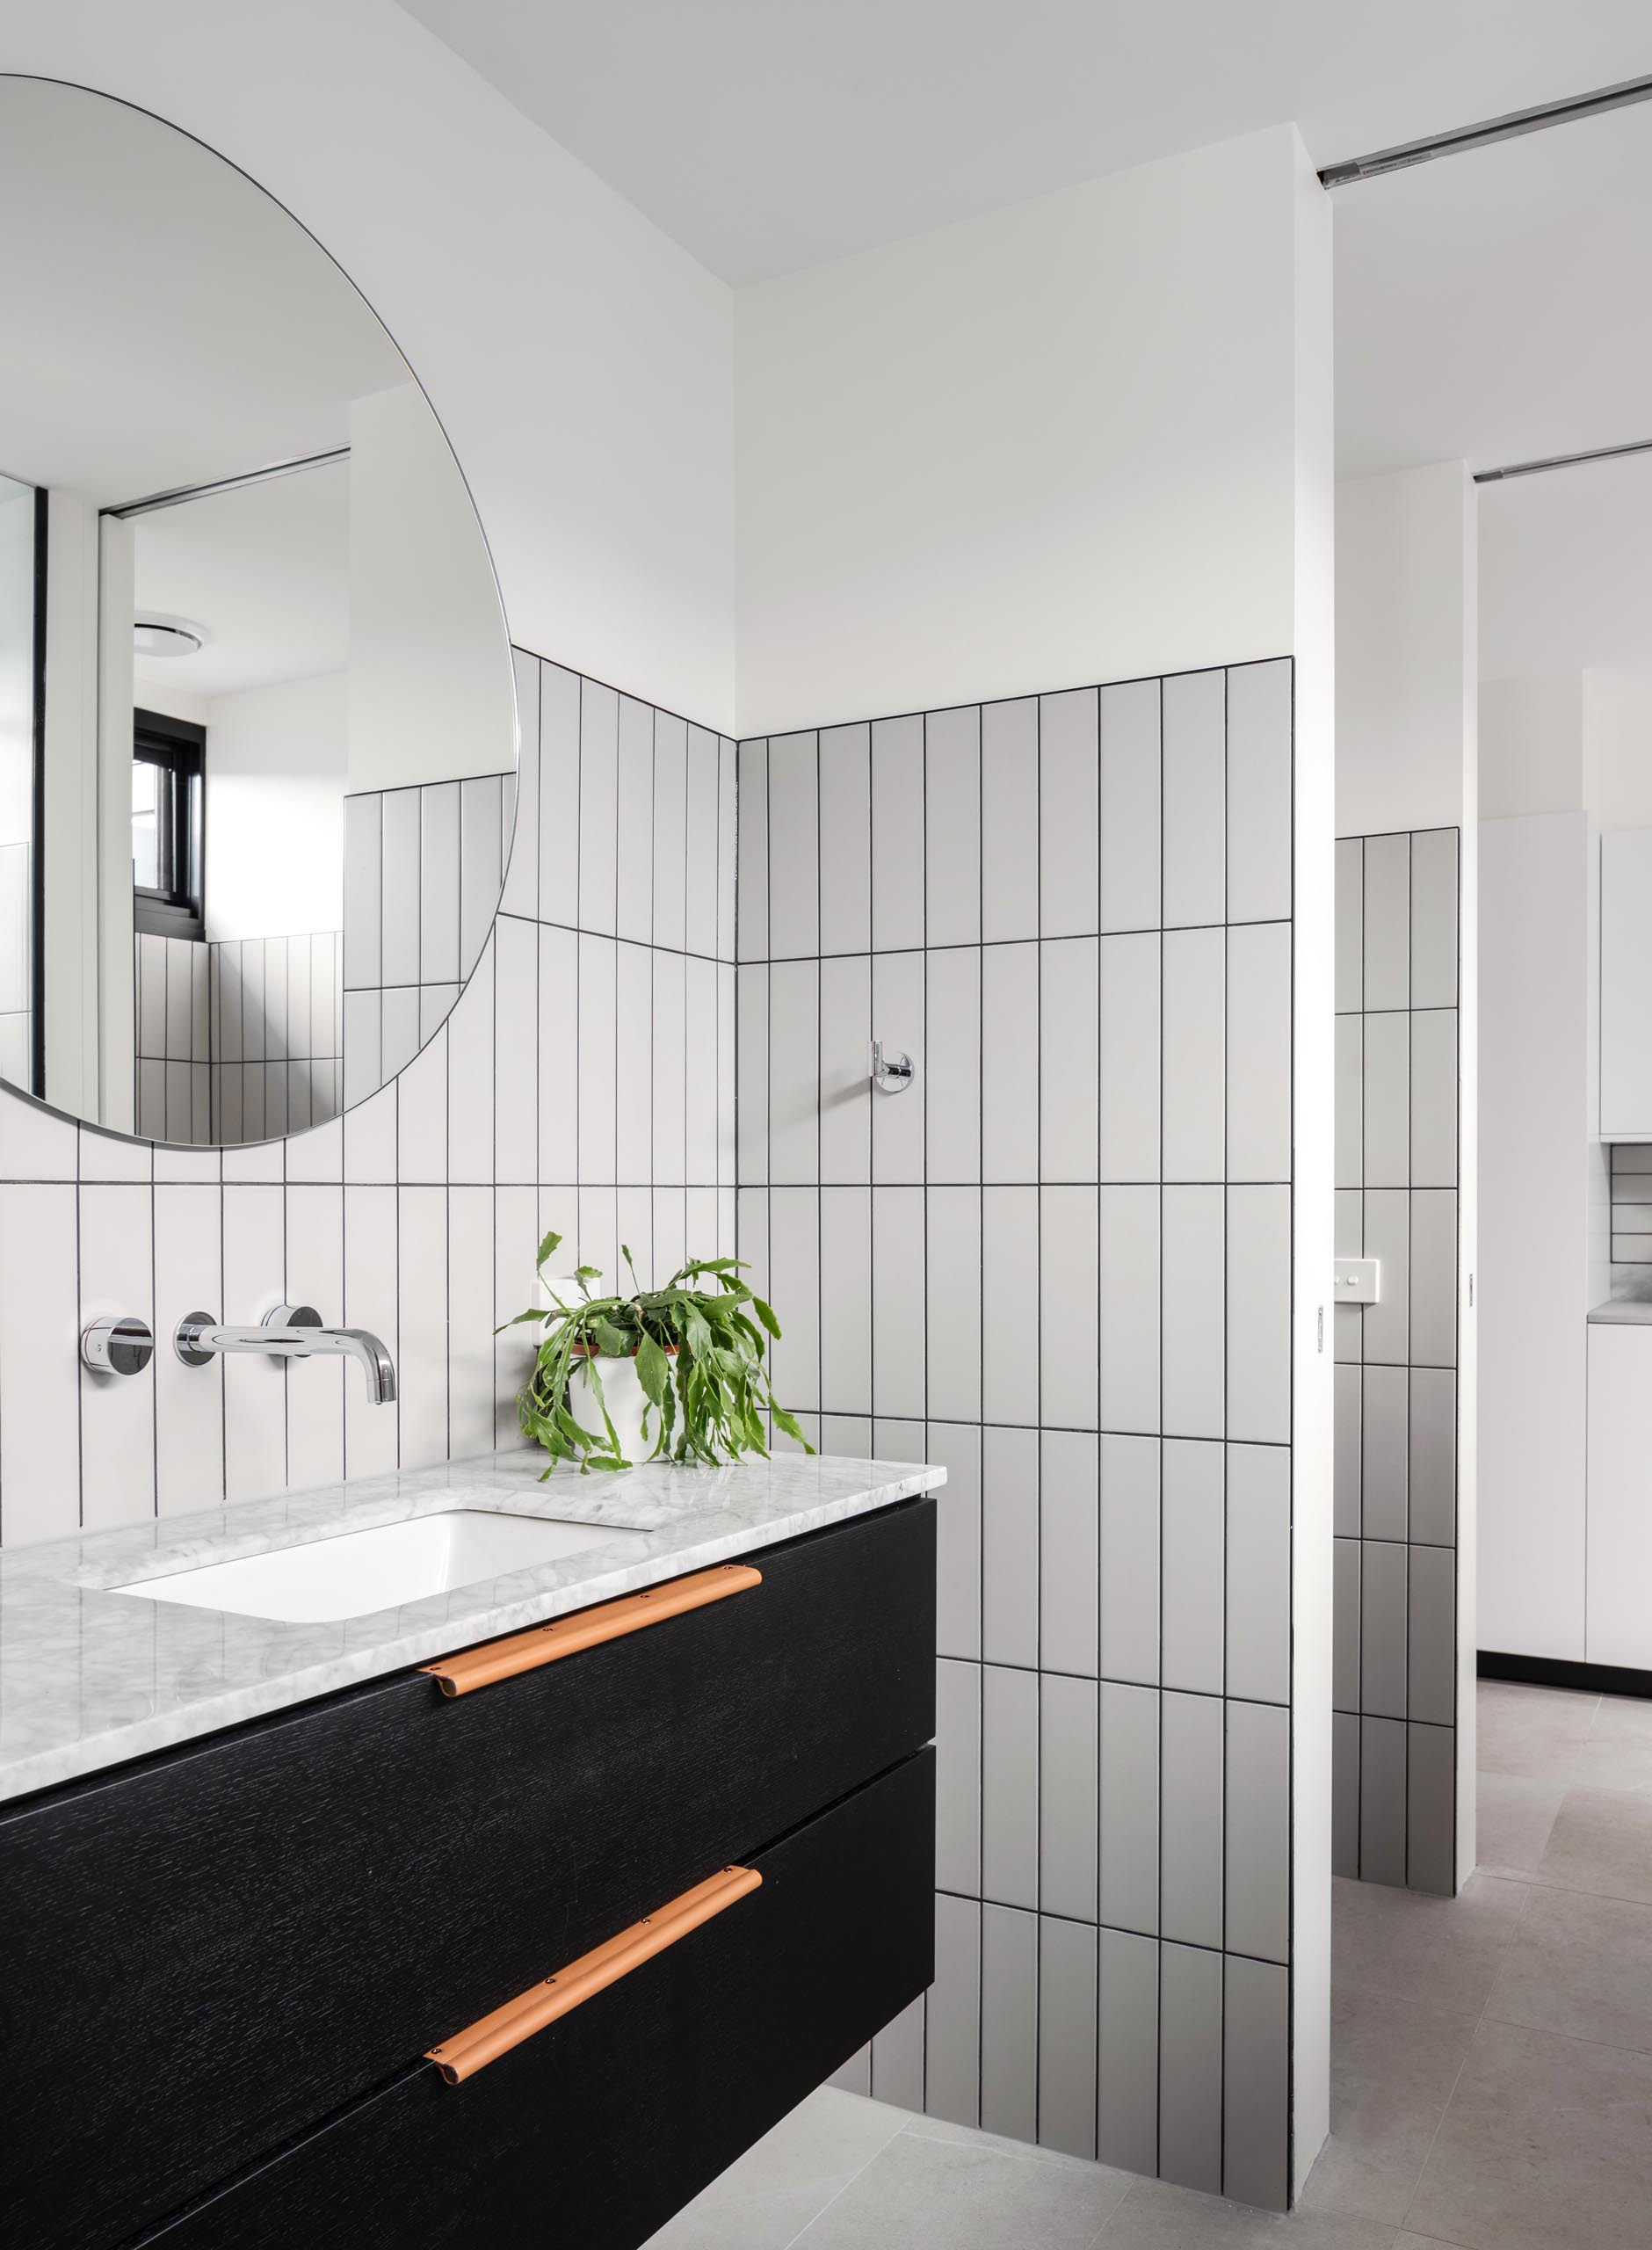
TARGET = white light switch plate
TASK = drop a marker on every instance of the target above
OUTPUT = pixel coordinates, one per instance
(1358, 1280)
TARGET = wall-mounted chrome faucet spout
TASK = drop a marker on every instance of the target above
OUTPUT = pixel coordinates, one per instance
(291, 1331)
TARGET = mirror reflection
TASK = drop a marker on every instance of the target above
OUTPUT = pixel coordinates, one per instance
(256, 723)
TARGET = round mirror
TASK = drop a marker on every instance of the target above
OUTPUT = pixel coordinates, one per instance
(257, 730)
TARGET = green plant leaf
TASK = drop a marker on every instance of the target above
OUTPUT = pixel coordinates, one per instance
(765, 1314)
(788, 1423)
(549, 1248)
(654, 1372)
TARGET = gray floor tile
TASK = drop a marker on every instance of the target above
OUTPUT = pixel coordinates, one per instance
(928, 2194)
(1537, 1732)
(1580, 1965)
(1512, 1819)
(1446, 1952)
(770, 2193)
(943, 2129)
(1601, 1841)
(1545, 2146)
(1156, 2218)
(1393, 2066)
(1616, 1753)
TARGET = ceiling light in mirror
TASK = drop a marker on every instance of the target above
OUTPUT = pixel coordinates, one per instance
(229, 463)
(165, 637)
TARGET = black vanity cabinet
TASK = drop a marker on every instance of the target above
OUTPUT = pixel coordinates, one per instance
(222, 1967)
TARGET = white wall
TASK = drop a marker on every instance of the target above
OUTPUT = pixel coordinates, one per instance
(430, 679)
(1406, 669)
(1552, 742)
(1535, 943)
(1617, 745)
(1568, 757)
(276, 775)
(1531, 744)
(1568, 561)
(1050, 444)
(580, 361)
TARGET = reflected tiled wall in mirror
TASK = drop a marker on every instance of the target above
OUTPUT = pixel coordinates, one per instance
(1060, 1264)
(1395, 1689)
(422, 874)
(238, 1039)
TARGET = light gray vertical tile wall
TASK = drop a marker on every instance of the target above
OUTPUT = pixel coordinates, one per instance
(1397, 1152)
(1630, 1189)
(1061, 1261)
(573, 1086)
(422, 876)
(238, 1039)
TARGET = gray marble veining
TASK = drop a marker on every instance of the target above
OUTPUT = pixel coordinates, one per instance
(89, 1677)
(1624, 1312)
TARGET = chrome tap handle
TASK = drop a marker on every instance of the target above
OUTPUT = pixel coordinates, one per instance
(122, 1344)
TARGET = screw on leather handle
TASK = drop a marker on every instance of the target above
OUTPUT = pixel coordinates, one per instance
(483, 2042)
(585, 1628)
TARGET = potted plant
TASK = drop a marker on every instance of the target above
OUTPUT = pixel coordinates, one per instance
(676, 1372)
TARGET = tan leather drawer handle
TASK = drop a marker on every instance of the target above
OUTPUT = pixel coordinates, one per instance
(483, 2042)
(608, 1620)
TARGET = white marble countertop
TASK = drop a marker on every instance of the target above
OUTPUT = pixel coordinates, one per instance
(89, 1677)
(1624, 1312)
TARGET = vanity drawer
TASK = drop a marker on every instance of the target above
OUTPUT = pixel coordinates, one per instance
(203, 1953)
(594, 2130)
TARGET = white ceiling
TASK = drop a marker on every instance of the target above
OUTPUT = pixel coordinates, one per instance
(764, 136)
(1497, 307)
(166, 322)
(264, 571)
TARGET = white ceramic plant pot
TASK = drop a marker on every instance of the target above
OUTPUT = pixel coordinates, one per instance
(625, 1400)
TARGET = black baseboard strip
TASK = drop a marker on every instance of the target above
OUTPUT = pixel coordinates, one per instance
(1564, 1672)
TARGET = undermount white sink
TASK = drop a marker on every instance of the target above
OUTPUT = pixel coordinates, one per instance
(357, 1572)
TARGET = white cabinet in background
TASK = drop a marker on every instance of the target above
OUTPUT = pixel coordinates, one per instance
(1618, 1597)
(1625, 984)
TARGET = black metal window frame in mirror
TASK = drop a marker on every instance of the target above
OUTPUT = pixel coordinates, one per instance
(258, 708)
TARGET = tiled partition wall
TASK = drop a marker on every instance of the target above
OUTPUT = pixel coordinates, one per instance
(1631, 1204)
(1060, 1264)
(422, 869)
(584, 1081)
(238, 1039)
(1395, 1686)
